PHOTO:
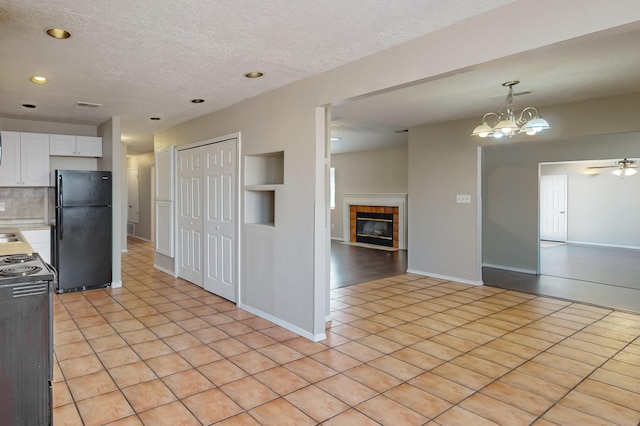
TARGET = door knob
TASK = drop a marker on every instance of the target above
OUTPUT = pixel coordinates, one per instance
(217, 227)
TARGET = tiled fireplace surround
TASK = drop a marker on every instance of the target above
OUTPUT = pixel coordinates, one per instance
(354, 210)
(395, 204)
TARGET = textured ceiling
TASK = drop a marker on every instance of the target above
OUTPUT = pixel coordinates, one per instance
(149, 58)
(598, 65)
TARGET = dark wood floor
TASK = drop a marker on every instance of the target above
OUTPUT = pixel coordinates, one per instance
(599, 276)
(352, 264)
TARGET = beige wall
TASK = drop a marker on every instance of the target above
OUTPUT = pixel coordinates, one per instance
(279, 264)
(114, 159)
(443, 235)
(381, 171)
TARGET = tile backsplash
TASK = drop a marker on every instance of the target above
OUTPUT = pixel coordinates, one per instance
(28, 204)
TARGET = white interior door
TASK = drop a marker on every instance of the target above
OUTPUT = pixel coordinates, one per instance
(553, 207)
(132, 184)
(220, 223)
(190, 215)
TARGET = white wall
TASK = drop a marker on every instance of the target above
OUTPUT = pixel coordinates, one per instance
(601, 208)
(285, 285)
(381, 171)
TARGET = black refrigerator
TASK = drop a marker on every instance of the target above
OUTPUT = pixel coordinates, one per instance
(82, 235)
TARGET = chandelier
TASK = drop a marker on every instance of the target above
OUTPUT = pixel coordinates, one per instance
(508, 122)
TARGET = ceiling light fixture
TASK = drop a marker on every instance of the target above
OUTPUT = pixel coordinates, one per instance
(197, 101)
(254, 74)
(58, 33)
(622, 168)
(508, 123)
(625, 168)
(39, 79)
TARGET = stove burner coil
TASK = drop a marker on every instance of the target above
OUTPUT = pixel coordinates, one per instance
(20, 270)
(19, 258)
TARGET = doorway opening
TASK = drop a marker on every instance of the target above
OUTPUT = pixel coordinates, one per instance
(588, 223)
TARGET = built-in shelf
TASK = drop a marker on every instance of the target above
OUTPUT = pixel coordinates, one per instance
(263, 174)
(259, 207)
(271, 187)
(264, 169)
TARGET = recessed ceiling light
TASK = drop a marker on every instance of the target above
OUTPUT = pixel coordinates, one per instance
(335, 139)
(59, 33)
(254, 74)
(197, 101)
(28, 105)
(154, 118)
(39, 79)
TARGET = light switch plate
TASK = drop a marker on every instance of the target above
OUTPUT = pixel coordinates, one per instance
(463, 199)
(2, 206)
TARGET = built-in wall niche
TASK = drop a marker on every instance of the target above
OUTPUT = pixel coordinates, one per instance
(264, 169)
(263, 175)
(260, 207)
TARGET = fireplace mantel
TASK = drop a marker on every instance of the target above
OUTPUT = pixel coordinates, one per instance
(386, 200)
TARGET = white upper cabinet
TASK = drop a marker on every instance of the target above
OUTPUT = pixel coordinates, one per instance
(75, 146)
(25, 159)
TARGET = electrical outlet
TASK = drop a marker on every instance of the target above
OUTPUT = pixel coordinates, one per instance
(463, 199)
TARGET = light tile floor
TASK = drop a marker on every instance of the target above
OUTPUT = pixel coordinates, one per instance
(406, 350)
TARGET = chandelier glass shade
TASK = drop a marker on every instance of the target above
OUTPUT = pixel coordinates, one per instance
(509, 122)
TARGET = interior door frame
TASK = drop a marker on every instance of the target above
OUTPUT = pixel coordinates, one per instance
(238, 214)
(566, 226)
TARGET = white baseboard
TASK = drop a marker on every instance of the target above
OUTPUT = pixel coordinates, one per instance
(337, 239)
(116, 284)
(284, 324)
(445, 277)
(584, 243)
(140, 238)
(510, 268)
(166, 271)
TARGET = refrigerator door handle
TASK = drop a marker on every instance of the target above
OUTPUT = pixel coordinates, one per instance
(60, 209)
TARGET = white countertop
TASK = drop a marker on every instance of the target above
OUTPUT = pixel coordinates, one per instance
(14, 247)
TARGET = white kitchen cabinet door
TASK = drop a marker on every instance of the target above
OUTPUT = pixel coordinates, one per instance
(75, 146)
(10, 163)
(25, 159)
(89, 146)
(34, 159)
(63, 145)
